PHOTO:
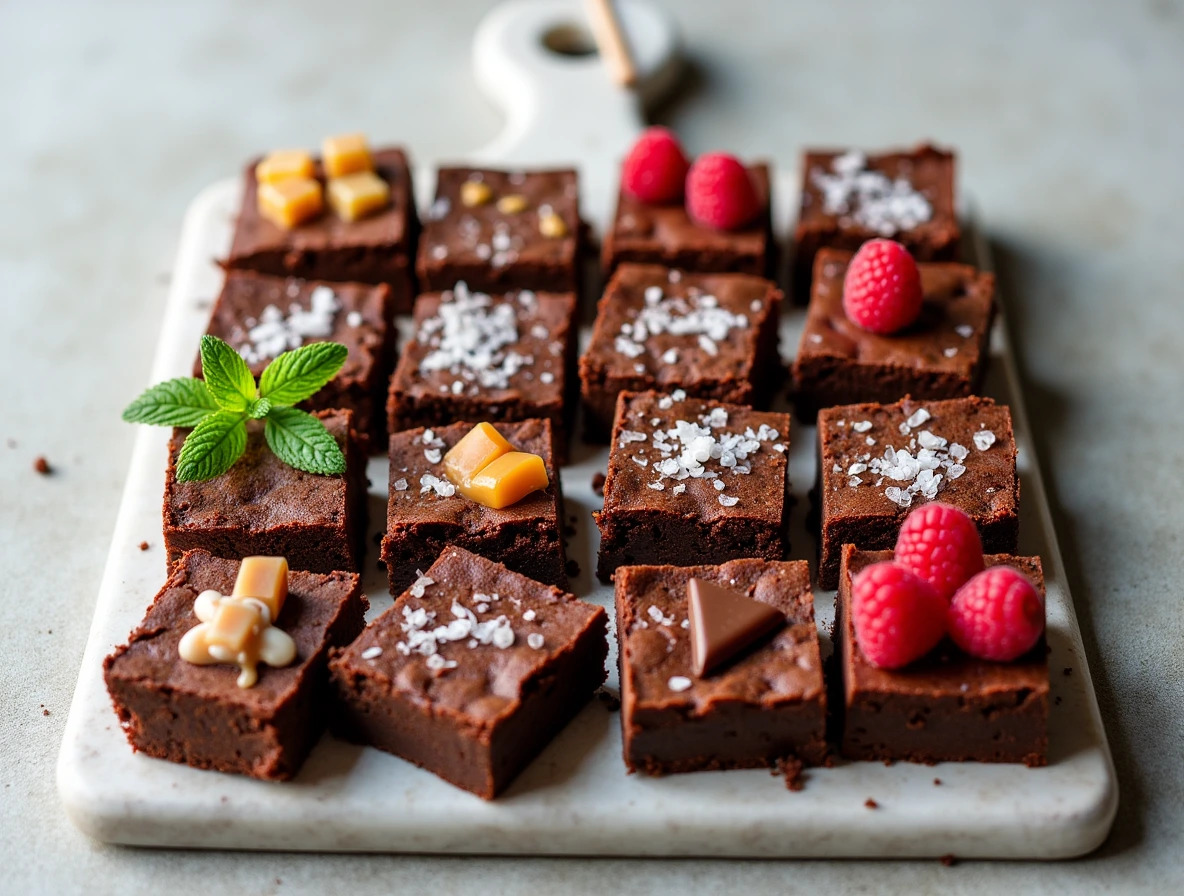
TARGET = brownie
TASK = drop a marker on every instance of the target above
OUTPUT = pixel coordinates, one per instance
(498, 358)
(493, 250)
(175, 710)
(379, 248)
(262, 316)
(767, 705)
(712, 335)
(948, 706)
(878, 461)
(665, 234)
(263, 506)
(472, 672)
(849, 198)
(663, 500)
(425, 513)
(943, 354)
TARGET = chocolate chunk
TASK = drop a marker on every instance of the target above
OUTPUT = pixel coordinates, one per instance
(724, 622)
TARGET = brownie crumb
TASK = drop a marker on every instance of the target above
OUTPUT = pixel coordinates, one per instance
(791, 768)
(143, 545)
(1056, 700)
(888, 763)
(45, 712)
(573, 569)
(937, 782)
(1067, 671)
(610, 700)
(598, 483)
(41, 465)
(871, 804)
(948, 860)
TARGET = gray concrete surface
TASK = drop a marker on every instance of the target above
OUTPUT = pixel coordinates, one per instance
(1069, 119)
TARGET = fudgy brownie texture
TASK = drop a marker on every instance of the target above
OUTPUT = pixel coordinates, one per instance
(379, 248)
(661, 500)
(198, 715)
(421, 521)
(263, 506)
(478, 357)
(877, 461)
(471, 673)
(946, 707)
(767, 705)
(835, 212)
(712, 335)
(942, 355)
(493, 250)
(665, 235)
(262, 316)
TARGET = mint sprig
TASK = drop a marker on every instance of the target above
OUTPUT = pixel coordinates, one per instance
(219, 407)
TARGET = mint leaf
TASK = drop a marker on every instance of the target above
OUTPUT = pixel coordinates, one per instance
(297, 375)
(213, 447)
(259, 408)
(179, 402)
(300, 440)
(227, 375)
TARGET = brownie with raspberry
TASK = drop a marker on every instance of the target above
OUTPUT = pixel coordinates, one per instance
(663, 233)
(942, 354)
(849, 197)
(712, 335)
(947, 706)
(765, 705)
(876, 461)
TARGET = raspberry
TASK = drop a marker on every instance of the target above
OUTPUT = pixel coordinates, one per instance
(882, 289)
(656, 168)
(998, 615)
(898, 617)
(940, 544)
(720, 193)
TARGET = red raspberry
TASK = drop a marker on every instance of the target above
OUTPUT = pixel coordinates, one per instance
(898, 617)
(940, 544)
(656, 168)
(720, 192)
(997, 615)
(882, 289)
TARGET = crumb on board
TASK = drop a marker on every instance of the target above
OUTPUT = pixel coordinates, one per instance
(871, 804)
(41, 465)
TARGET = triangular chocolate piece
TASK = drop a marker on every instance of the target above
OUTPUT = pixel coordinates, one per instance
(724, 622)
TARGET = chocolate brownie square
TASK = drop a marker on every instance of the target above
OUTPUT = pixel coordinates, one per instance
(712, 335)
(849, 198)
(501, 230)
(693, 481)
(472, 672)
(943, 354)
(426, 513)
(946, 707)
(379, 248)
(263, 506)
(198, 715)
(499, 358)
(877, 461)
(262, 317)
(766, 706)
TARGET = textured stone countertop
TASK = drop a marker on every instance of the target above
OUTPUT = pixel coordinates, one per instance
(1068, 119)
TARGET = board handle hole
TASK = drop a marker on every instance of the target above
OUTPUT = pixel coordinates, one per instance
(569, 40)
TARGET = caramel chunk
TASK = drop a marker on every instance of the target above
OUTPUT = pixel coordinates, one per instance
(266, 580)
(284, 163)
(236, 623)
(506, 480)
(511, 204)
(474, 193)
(346, 154)
(288, 203)
(357, 195)
(481, 445)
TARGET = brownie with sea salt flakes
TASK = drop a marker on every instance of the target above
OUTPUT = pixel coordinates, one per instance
(693, 481)
(198, 715)
(499, 230)
(712, 335)
(876, 461)
(379, 248)
(472, 672)
(493, 358)
(766, 705)
(425, 512)
(261, 317)
(943, 354)
(947, 706)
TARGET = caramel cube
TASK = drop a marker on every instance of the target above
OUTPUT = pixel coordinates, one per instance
(480, 446)
(346, 154)
(288, 203)
(506, 480)
(266, 580)
(284, 163)
(235, 625)
(355, 196)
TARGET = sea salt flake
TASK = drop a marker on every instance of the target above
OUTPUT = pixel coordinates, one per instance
(949, 352)
(400, 485)
(535, 640)
(918, 417)
(433, 455)
(983, 439)
(862, 426)
(678, 489)
(728, 500)
(421, 582)
(678, 683)
(964, 330)
(371, 653)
